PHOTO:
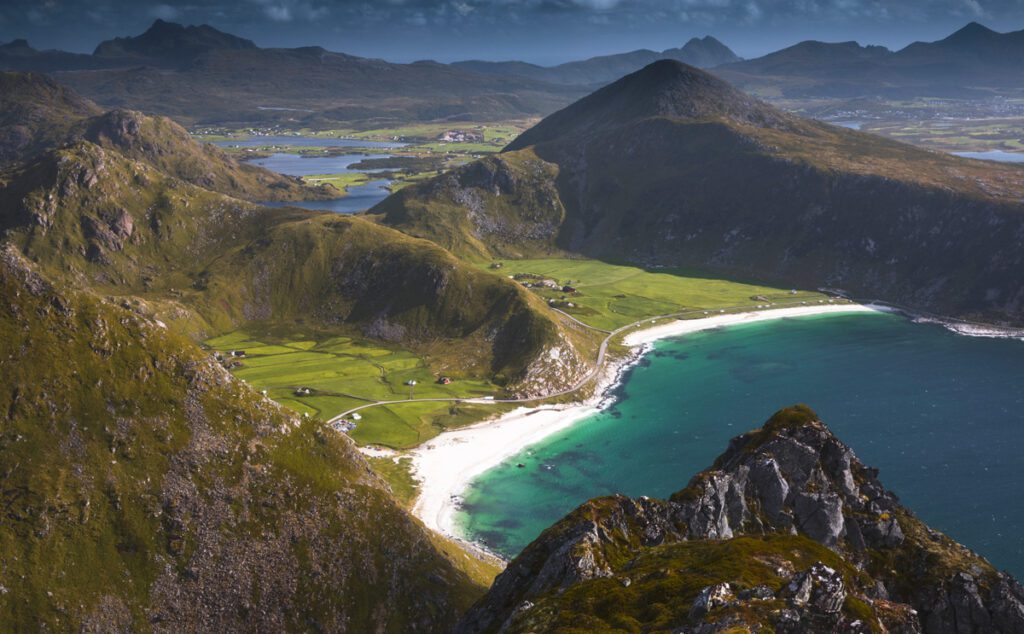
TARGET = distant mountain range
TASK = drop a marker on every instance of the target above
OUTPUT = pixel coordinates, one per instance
(972, 62)
(199, 74)
(704, 52)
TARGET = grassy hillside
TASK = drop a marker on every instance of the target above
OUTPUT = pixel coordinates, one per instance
(144, 489)
(671, 167)
(209, 264)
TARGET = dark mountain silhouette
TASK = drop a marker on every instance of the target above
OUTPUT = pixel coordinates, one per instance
(172, 44)
(973, 62)
(703, 52)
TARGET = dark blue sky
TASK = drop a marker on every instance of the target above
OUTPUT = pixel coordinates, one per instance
(543, 31)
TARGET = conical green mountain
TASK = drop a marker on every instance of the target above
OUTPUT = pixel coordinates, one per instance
(672, 167)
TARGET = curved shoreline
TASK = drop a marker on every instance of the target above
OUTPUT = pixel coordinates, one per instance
(448, 463)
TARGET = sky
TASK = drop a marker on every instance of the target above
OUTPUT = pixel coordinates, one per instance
(539, 31)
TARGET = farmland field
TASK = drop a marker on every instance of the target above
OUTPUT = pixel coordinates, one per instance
(344, 372)
(609, 295)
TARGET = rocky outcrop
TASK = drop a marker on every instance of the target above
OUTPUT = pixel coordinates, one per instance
(790, 480)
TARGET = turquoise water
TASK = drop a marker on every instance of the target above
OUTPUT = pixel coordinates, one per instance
(941, 415)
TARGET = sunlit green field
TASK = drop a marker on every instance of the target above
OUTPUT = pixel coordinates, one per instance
(610, 295)
(343, 372)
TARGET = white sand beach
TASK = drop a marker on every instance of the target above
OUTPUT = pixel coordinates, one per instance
(449, 462)
(684, 326)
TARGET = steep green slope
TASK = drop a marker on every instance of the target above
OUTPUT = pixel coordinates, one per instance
(144, 489)
(786, 531)
(672, 167)
(208, 264)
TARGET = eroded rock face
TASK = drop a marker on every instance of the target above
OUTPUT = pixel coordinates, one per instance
(791, 477)
(801, 480)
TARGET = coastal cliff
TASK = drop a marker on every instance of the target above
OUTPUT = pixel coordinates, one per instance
(787, 530)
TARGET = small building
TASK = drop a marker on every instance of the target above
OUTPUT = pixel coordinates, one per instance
(445, 380)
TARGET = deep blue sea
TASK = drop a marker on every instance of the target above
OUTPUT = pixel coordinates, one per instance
(941, 415)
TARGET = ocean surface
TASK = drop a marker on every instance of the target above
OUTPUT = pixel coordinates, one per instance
(941, 415)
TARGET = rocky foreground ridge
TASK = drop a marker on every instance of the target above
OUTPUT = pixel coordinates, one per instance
(788, 531)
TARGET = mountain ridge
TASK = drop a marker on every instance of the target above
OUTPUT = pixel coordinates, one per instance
(171, 43)
(703, 52)
(787, 529)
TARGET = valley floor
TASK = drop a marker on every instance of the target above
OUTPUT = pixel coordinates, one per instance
(446, 465)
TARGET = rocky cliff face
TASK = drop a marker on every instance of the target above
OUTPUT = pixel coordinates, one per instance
(788, 530)
(500, 206)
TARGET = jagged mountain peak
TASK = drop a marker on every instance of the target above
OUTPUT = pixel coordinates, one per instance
(707, 51)
(665, 88)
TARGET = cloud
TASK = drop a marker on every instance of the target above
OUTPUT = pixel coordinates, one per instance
(597, 5)
(165, 12)
(278, 13)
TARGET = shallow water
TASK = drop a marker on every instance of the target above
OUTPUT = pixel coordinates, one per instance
(305, 141)
(298, 165)
(359, 198)
(994, 155)
(941, 415)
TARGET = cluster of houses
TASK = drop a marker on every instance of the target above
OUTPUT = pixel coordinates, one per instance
(345, 425)
(530, 280)
(230, 360)
(460, 136)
